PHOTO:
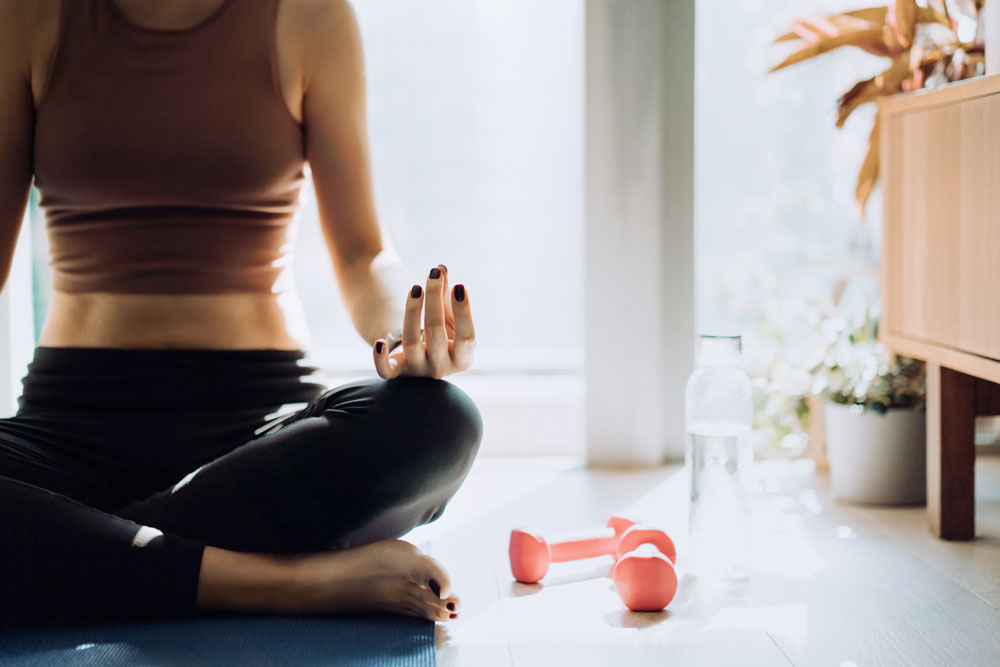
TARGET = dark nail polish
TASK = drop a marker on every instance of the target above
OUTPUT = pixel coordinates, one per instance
(378, 346)
(415, 292)
(453, 616)
(435, 587)
(435, 273)
(444, 268)
(451, 606)
(460, 292)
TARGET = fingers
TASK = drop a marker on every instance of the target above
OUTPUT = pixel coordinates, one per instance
(464, 346)
(385, 366)
(434, 329)
(448, 342)
(449, 311)
(413, 347)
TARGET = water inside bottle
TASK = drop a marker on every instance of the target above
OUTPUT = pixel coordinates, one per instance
(720, 460)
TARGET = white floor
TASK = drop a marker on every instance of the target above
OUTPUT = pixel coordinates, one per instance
(832, 584)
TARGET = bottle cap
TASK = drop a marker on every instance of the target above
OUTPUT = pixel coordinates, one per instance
(719, 350)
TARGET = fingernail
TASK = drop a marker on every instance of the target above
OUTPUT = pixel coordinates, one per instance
(444, 268)
(451, 606)
(435, 273)
(435, 587)
(378, 346)
(460, 292)
(415, 292)
(453, 616)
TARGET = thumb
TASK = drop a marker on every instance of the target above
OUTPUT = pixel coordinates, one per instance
(386, 367)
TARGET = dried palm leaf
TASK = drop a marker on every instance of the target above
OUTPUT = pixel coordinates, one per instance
(873, 14)
(869, 170)
(886, 83)
(919, 36)
(863, 91)
(854, 38)
(901, 16)
(874, 17)
(813, 29)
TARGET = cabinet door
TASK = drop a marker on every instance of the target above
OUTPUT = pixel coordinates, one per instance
(922, 191)
(979, 243)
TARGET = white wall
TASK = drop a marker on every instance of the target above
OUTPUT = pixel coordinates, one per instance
(640, 242)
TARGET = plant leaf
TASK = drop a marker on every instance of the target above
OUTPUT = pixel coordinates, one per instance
(872, 18)
(887, 83)
(855, 38)
(891, 43)
(890, 81)
(812, 30)
(861, 92)
(940, 7)
(871, 14)
(930, 15)
(868, 173)
(902, 18)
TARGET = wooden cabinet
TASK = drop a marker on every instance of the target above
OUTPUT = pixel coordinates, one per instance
(940, 170)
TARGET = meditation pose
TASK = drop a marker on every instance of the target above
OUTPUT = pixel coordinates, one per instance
(169, 454)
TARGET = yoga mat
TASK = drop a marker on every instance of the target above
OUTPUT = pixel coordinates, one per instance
(388, 640)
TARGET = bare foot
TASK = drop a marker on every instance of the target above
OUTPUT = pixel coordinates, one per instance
(391, 575)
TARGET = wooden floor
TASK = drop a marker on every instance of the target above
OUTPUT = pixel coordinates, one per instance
(832, 584)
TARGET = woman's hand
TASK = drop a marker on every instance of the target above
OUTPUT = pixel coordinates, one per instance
(448, 341)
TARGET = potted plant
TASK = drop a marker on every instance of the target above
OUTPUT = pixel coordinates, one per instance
(875, 417)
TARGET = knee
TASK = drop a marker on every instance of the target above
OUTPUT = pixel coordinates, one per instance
(441, 422)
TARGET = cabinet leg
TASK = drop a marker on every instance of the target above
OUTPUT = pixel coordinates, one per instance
(951, 452)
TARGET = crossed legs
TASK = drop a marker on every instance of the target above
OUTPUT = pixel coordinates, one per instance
(364, 462)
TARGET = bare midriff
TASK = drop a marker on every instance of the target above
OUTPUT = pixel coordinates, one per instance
(175, 321)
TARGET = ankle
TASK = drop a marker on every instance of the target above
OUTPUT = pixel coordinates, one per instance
(247, 581)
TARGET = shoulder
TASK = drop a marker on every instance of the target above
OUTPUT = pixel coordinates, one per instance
(28, 33)
(318, 12)
(318, 20)
(327, 30)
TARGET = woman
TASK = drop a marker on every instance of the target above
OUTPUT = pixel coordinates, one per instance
(141, 474)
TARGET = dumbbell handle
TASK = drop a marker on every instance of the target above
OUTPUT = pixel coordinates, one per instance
(584, 544)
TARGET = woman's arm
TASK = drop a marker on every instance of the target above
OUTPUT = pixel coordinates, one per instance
(373, 280)
(17, 116)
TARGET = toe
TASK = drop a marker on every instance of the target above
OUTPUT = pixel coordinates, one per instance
(434, 607)
(432, 574)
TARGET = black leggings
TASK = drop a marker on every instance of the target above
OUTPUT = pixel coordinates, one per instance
(121, 465)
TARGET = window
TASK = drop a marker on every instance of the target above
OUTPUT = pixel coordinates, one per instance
(776, 225)
(476, 124)
(476, 112)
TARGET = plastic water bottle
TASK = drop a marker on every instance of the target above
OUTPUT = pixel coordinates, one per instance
(718, 406)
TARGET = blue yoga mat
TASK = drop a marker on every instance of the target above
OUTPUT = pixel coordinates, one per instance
(363, 639)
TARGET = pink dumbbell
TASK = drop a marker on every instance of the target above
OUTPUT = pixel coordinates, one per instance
(645, 578)
(644, 575)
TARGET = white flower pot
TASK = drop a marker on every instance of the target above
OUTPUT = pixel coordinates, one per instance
(876, 459)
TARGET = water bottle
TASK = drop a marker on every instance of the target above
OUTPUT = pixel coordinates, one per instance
(718, 404)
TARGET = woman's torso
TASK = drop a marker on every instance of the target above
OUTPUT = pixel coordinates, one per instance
(200, 321)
